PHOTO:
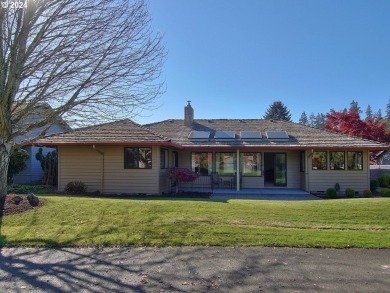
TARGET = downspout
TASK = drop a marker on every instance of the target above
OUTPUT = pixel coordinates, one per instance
(307, 169)
(238, 171)
(102, 175)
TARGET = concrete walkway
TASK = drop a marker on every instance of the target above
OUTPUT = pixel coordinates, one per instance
(263, 194)
(194, 269)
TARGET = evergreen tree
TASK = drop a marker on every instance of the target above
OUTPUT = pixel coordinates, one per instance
(303, 120)
(379, 114)
(388, 111)
(312, 120)
(17, 163)
(321, 120)
(369, 112)
(355, 105)
(388, 116)
(278, 111)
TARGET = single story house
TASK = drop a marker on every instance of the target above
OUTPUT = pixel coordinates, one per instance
(125, 157)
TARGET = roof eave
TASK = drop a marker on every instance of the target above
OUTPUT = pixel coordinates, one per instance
(99, 143)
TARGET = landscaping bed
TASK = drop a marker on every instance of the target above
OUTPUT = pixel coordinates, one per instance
(10, 207)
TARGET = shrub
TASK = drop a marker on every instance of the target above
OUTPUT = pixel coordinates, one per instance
(331, 192)
(76, 187)
(385, 192)
(26, 189)
(374, 184)
(384, 180)
(367, 193)
(349, 192)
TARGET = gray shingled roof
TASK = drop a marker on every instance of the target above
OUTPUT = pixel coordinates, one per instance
(124, 131)
(300, 136)
(175, 133)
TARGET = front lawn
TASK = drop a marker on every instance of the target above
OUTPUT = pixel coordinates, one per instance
(85, 221)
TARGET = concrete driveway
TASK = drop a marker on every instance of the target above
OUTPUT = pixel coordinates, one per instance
(194, 269)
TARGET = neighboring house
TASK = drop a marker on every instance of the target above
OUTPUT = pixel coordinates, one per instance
(383, 158)
(33, 174)
(124, 157)
(381, 166)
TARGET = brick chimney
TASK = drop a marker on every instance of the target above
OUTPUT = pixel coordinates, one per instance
(188, 114)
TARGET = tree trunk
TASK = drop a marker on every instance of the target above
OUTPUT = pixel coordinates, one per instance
(5, 153)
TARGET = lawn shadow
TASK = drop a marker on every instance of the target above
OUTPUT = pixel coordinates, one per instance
(195, 269)
(183, 269)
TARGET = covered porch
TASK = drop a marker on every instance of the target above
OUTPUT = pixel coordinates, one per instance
(236, 170)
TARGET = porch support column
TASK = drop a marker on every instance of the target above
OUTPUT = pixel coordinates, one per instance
(238, 171)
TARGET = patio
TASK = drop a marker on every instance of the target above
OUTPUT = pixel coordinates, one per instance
(252, 193)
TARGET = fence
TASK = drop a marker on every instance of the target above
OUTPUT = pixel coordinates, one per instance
(377, 170)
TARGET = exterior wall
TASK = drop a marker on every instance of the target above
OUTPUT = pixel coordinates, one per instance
(321, 180)
(102, 169)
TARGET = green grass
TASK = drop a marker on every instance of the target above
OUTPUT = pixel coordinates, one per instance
(85, 221)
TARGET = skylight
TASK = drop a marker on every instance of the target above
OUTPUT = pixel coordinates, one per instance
(250, 134)
(199, 135)
(224, 135)
(277, 135)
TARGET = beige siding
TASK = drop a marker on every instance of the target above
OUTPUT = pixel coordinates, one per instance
(79, 164)
(86, 164)
(293, 170)
(252, 182)
(321, 180)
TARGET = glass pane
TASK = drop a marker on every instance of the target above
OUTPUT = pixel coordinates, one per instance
(226, 163)
(145, 158)
(355, 160)
(337, 161)
(131, 158)
(280, 170)
(202, 163)
(251, 164)
(319, 161)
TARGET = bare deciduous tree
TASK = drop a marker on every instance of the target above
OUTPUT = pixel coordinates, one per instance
(88, 60)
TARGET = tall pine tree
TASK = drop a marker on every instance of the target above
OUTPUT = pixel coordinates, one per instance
(278, 111)
(303, 120)
(369, 112)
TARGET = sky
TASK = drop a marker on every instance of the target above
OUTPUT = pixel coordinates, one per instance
(233, 59)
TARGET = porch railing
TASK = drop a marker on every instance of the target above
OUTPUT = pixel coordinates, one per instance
(206, 183)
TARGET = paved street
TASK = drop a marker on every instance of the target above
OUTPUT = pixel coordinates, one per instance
(194, 269)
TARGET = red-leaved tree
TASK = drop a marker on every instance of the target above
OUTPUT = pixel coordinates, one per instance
(349, 122)
(182, 175)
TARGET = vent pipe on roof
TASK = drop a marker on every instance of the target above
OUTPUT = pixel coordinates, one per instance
(188, 114)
